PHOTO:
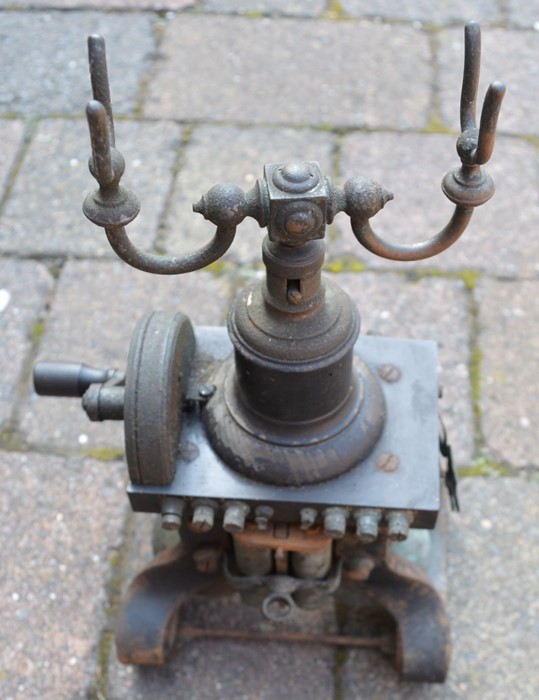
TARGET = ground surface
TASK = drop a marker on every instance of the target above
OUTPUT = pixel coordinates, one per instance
(209, 91)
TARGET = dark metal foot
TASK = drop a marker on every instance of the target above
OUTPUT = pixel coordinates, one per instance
(423, 646)
(147, 620)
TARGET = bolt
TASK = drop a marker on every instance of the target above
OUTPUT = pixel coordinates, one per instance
(235, 514)
(389, 373)
(263, 515)
(387, 462)
(335, 522)
(307, 517)
(398, 525)
(171, 513)
(206, 391)
(203, 517)
(206, 559)
(367, 520)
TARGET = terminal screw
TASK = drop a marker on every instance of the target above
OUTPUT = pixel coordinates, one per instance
(335, 522)
(235, 514)
(367, 520)
(398, 525)
(203, 517)
(171, 513)
(307, 517)
(263, 514)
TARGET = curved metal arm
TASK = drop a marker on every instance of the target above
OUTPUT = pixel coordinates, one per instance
(147, 262)
(467, 186)
(414, 251)
(113, 207)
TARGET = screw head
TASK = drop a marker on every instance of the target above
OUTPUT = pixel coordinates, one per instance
(367, 520)
(387, 462)
(234, 518)
(335, 522)
(398, 525)
(206, 559)
(307, 517)
(203, 518)
(389, 373)
(263, 515)
(206, 391)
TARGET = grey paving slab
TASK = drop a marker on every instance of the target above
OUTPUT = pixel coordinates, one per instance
(237, 155)
(47, 55)
(424, 10)
(24, 292)
(303, 8)
(233, 671)
(392, 306)
(509, 345)
(493, 548)
(501, 237)
(507, 55)
(11, 138)
(523, 12)
(92, 318)
(288, 71)
(43, 215)
(99, 4)
(61, 528)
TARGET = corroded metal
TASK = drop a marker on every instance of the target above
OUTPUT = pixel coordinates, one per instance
(289, 455)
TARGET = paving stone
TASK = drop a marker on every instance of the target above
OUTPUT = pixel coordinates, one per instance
(286, 71)
(494, 614)
(24, 291)
(302, 8)
(523, 12)
(508, 316)
(395, 307)
(233, 671)
(424, 10)
(95, 310)
(499, 238)
(47, 55)
(99, 5)
(11, 138)
(237, 155)
(61, 528)
(43, 215)
(507, 55)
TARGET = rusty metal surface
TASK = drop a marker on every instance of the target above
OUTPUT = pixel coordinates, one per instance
(290, 538)
(411, 431)
(147, 619)
(294, 200)
(302, 417)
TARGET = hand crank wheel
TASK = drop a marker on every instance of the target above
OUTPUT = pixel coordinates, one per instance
(160, 353)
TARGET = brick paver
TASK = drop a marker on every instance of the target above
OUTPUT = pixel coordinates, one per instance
(508, 316)
(203, 92)
(276, 71)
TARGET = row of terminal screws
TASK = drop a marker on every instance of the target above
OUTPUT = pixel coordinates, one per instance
(335, 519)
(367, 522)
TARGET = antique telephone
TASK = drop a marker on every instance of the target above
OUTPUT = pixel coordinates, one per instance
(289, 454)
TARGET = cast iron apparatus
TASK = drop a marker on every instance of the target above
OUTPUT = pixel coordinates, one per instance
(290, 456)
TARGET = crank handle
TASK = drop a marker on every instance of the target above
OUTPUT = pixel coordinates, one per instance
(70, 379)
(102, 390)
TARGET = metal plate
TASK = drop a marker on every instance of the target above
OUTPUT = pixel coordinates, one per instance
(411, 434)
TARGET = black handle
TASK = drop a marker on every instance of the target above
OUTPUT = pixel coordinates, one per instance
(67, 378)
